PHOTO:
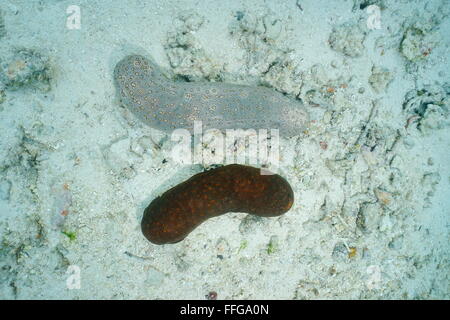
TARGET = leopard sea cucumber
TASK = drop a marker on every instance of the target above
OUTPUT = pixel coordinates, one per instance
(233, 188)
(166, 105)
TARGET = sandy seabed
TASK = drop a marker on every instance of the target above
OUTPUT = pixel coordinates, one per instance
(371, 174)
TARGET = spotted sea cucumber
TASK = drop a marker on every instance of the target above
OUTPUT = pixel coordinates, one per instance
(166, 105)
(232, 188)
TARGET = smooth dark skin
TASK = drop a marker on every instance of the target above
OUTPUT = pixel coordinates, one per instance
(232, 188)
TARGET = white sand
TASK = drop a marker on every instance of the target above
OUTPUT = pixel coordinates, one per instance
(371, 217)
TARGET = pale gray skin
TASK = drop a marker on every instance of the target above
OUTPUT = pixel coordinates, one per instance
(166, 105)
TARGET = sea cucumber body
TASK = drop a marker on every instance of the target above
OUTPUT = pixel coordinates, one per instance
(167, 105)
(232, 188)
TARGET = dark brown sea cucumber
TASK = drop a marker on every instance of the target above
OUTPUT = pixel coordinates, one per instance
(232, 188)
